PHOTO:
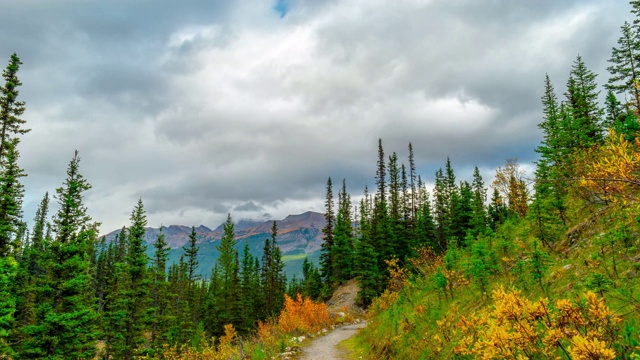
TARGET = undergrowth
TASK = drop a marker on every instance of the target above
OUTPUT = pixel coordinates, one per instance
(505, 295)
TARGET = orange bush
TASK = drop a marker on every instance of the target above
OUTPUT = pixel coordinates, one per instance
(303, 315)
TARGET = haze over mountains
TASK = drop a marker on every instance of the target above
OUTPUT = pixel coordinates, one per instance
(299, 237)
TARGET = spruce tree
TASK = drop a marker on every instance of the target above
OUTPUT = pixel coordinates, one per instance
(426, 227)
(343, 247)
(272, 275)
(10, 108)
(326, 257)
(31, 273)
(137, 293)
(66, 315)
(441, 213)
(582, 99)
(228, 264)
(479, 197)
(160, 315)
(625, 65)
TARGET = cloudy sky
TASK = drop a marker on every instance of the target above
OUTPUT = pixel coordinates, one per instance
(206, 107)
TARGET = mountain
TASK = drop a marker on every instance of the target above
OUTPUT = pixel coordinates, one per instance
(299, 237)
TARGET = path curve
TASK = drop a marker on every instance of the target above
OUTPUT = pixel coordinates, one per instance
(324, 348)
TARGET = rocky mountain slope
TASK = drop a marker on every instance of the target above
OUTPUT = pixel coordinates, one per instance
(299, 237)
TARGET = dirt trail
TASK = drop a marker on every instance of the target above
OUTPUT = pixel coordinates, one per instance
(324, 348)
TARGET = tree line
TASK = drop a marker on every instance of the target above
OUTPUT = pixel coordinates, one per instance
(66, 293)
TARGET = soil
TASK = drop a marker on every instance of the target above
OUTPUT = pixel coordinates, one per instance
(345, 296)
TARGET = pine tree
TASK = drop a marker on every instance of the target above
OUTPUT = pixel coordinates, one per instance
(365, 261)
(479, 197)
(191, 254)
(326, 257)
(412, 181)
(31, 273)
(426, 229)
(625, 65)
(497, 210)
(228, 264)
(11, 194)
(462, 213)
(343, 247)
(66, 315)
(395, 245)
(272, 276)
(193, 298)
(160, 315)
(137, 294)
(10, 108)
(250, 278)
(582, 99)
(441, 211)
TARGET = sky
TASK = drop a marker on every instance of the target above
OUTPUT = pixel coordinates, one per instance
(207, 107)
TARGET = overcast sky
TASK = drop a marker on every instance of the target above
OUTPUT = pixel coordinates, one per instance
(206, 107)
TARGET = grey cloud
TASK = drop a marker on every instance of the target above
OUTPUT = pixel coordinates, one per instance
(248, 206)
(210, 107)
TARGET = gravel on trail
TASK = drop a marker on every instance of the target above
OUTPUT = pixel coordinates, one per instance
(324, 348)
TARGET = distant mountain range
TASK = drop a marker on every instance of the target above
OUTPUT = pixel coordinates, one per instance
(299, 237)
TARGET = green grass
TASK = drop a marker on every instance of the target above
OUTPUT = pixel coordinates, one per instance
(294, 257)
(404, 327)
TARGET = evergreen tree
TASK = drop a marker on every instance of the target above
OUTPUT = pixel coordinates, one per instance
(31, 274)
(625, 65)
(10, 108)
(193, 299)
(228, 267)
(343, 247)
(326, 257)
(272, 276)
(441, 211)
(497, 210)
(11, 194)
(191, 254)
(65, 326)
(366, 264)
(251, 290)
(479, 197)
(137, 294)
(582, 99)
(160, 314)
(426, 229)
(412, 181)
(462, 212)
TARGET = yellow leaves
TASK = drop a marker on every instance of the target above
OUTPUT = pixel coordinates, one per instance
(611, 172)
(397, 278)
(509, 181)
(519, 328)
(586, 349)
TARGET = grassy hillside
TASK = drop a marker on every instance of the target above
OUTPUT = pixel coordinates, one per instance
(506, 295)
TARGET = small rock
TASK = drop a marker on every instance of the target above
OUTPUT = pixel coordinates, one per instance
(567, 267)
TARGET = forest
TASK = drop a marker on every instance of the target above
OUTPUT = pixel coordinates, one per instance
(536, 266)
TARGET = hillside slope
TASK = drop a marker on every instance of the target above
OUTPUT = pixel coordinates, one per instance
(506, 294)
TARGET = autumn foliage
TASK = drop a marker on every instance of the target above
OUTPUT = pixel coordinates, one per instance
(610, 173)
(303, 315)
(517, 328)
(300, 316)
